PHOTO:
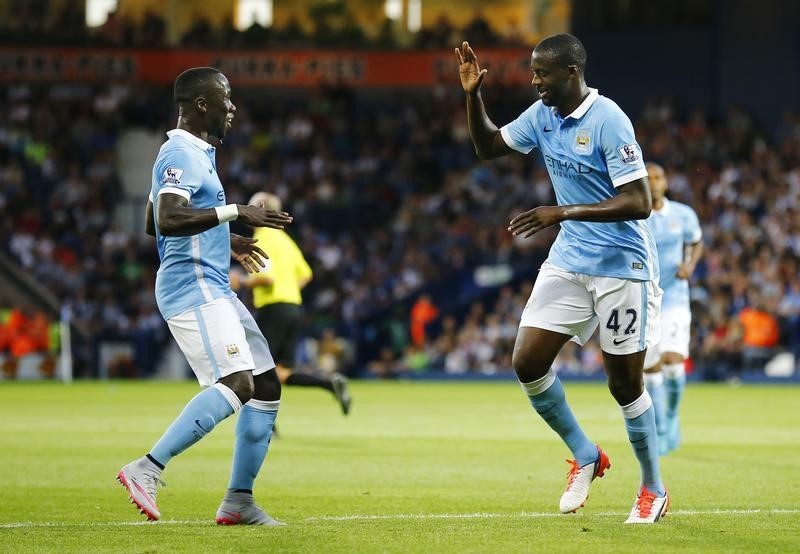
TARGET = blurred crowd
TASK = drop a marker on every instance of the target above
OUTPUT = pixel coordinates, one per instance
(327, 24)
(392, 208)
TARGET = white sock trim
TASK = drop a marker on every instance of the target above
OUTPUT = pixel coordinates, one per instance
(638, 406)
(674, 371)
(264, 405)
(539, 385)
(230, 396)
(653, 379)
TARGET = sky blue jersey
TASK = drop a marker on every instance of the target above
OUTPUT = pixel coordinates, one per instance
(194, 269)
(674, 227)
(588, 154)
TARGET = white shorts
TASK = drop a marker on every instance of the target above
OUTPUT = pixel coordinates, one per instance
(676, 329)
(574, 304)
(220, 338)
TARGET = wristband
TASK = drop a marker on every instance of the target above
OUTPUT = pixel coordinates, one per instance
(226, 213)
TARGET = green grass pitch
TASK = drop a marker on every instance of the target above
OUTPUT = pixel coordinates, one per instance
(417, 467)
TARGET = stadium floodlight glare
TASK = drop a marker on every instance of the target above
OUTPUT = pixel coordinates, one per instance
(414, 15)
(253, 11)
(393, 9)
(97, 11)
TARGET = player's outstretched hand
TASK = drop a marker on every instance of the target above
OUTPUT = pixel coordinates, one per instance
(245, 251)
(256, 216)
(533, 221)
(469, 70)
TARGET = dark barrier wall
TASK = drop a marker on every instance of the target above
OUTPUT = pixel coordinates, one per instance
(744, 52)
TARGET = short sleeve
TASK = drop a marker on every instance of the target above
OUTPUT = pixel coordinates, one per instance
(622, 152)
(520, 134)
(177, 173)
(692, 232)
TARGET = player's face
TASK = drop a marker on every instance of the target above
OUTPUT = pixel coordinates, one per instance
(220, 108)
(550, 79)
(658, 182)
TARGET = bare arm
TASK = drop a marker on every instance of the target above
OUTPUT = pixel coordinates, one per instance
(693, 254)
(149, 221)
(485, 135)
(632, 201)
(175, 217)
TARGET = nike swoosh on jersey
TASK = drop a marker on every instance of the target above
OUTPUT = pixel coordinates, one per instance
(618, 342)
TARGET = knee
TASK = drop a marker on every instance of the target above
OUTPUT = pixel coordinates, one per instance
(241, 384)
(267, 386)
(626, 390)
(528, 365)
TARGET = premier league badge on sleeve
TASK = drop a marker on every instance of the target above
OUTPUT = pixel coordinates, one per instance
(172, 176)
(629, 153)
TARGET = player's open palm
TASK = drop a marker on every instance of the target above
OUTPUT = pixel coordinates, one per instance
(245, 251)
(469, 70)
(256, 216)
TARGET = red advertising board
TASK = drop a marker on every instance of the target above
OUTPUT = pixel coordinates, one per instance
(255, 67)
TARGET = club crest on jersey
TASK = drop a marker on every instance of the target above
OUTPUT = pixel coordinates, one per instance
(172, 175)
(582, 141)
(232, 351)
(629, 154)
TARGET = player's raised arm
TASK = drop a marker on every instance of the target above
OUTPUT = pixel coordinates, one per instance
(176, 218)
(485, 135)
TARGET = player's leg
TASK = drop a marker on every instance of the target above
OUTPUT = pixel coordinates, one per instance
(254, 428)
(674, 365)
(215, 346)
(629, 322)
(654, 383)
(281, 325)
(559, 308)
(675, 348)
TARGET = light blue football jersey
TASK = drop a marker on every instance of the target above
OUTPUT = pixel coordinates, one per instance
(588, 154)
(194, 269)
(674, 227)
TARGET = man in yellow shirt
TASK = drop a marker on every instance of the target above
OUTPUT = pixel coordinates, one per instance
(277, 298)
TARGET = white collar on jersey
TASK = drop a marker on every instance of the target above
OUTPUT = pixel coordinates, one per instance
(664, 207)
(197, 141)
(579, 112)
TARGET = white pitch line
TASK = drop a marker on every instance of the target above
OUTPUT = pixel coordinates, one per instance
(367, 517)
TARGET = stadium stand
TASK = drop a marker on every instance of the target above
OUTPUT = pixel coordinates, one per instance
(389, 203)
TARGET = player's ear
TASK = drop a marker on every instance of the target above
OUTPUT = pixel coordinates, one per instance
(201, 104)
(572, 69)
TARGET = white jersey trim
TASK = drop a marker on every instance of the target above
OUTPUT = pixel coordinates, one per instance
(628, 177)
(175, 190)
(198, 271)
(510, 142)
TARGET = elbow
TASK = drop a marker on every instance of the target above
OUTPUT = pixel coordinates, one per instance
(643, 207)
(166, 228)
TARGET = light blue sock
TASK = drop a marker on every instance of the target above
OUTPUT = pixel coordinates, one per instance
(675, 384)
(253, 433)
(654, 382)
(640, 422)
(548, 399)
(197, 419)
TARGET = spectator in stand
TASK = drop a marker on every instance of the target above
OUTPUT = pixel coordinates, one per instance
(759, 332)
(423, 313)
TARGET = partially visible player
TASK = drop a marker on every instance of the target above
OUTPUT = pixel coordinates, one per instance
(187, 214)
(602, 267)
(677, 233)
(277, 297)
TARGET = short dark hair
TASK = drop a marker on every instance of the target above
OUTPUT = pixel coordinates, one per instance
(564, 49)
(193, 83)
